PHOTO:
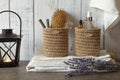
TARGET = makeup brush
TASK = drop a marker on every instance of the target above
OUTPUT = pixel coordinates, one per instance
(41, 22)
(47, 22)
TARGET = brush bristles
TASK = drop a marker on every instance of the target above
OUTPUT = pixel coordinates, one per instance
(59, 19)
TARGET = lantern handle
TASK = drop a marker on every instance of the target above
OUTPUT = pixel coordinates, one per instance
(17, 16)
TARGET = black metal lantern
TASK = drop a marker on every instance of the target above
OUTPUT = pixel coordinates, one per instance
(10, 45)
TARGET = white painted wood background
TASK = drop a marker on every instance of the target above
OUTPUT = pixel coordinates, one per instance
(32, 10)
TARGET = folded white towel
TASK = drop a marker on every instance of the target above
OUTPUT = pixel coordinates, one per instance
(111, 10)
(40, 63)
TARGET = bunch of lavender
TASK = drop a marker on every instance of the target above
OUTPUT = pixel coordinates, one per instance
(80, 66)
(89, 65)
(107, 66)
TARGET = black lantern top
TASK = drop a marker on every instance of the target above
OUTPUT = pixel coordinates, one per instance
(8, 33)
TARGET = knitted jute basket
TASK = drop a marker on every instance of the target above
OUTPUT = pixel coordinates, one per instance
(87, 42)
(55, 42)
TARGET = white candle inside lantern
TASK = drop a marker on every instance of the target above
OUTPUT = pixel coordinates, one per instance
(7, 60)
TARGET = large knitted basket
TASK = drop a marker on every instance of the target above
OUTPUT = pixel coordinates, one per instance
(55, 42)
(87, 42)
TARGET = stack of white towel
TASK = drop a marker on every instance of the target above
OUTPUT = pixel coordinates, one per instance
(40, 63)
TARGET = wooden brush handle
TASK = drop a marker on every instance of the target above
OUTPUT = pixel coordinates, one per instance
(47, 21)
(41, 22)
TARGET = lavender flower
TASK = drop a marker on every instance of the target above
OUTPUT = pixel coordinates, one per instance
(89, 65)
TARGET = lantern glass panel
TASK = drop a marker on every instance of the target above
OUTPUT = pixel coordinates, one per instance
(7, 51)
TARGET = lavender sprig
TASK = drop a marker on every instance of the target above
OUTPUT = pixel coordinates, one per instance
(89, 65)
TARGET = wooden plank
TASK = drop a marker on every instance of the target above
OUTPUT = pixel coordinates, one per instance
(25, 9)
(85, 8)
(44, 12)
(4, 17)
(73, 8)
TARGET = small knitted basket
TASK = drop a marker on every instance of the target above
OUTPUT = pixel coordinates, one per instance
(87, 42)
(55, 42)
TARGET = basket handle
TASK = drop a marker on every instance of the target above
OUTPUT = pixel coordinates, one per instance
(17, 16)
(55, 32)
(88, 34)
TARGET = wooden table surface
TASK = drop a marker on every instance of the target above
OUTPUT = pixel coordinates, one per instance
(19, 73)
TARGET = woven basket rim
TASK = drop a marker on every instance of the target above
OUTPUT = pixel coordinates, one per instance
(55, 28)
(85, 29)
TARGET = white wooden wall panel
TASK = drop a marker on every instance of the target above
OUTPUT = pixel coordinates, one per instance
(73, 8)
(85, 8)
(32, 10)
(43, 10)
(4, 18)
(25, 9)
